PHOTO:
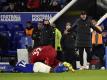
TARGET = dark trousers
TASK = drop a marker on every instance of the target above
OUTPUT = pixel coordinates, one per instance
(60, 56)
(81, 51)
(70, 56)
(99, 51)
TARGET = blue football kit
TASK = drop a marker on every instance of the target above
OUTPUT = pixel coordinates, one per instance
(28, 68)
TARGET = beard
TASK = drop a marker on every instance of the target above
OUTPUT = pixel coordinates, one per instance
(47, 25)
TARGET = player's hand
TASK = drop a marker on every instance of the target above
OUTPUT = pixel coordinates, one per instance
(47, 61)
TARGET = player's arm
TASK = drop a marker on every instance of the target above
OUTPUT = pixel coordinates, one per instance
(95, 27)
(47, 61)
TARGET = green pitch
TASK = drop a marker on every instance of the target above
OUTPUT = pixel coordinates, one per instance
(78, 75)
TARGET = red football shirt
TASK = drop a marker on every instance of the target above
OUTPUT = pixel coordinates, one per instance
(46, 54)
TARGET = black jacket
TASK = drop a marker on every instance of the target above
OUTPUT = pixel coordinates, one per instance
(45, 36)
(83, 37)
(68, 40)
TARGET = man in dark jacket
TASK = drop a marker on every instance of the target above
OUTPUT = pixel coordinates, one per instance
(44, 34)
(49, 34)
(68, 45)
(83, 38)
(37, 35)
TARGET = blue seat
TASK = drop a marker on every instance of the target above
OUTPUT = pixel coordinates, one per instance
(3, 27)
(4, 44)
(5, 34)
(18, 34)
(4, 52)
(18, 27)
(5, 41)
(12, 52)
(1, 52)
(16, 39)
(35, 25)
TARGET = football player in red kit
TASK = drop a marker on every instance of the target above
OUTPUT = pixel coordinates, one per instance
(46, 54)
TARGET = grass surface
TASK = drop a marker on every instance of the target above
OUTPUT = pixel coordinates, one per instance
(78, 75)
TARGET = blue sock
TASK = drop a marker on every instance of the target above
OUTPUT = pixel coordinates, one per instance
(60, 68)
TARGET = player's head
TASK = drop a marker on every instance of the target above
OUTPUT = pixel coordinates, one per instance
(68, 25)
(40, 25)
(83, 15)
(12, 62)
(46, 23)
(94, 21)
(29, 24)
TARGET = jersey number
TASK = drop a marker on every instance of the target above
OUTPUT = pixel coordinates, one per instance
(22, 64)
(37, 51)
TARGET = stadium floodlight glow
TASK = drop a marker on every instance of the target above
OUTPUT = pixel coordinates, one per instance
(53, 19)
(101, 19)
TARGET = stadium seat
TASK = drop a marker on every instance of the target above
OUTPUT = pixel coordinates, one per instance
(5, 39)
(18, 34)
(12, 52)
(16, 39)
(18, 27)
(5, 34)
(3, 27)
(35, 25)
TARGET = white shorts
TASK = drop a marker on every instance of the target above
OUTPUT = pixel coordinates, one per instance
(41, 67)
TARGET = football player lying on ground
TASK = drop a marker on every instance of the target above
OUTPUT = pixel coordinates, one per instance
(47, 54)
(39, 67)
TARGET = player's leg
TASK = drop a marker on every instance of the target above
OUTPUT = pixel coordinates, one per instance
(81, 50)
(66, 64)
(89, 55)
(60, 68)
(71, 57)
(41, 67)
